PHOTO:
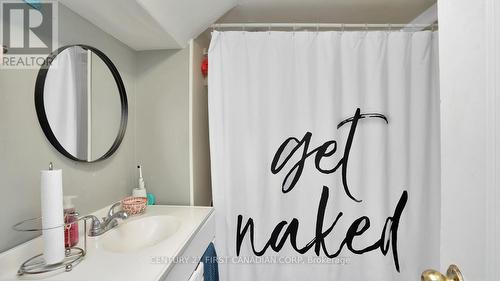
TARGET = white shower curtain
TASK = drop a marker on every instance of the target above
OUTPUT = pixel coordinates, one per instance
(305, 186)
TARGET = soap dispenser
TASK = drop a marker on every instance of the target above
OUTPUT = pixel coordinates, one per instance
(140, 190)
(70, 221)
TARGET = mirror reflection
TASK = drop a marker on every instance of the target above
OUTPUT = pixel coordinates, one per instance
(82, 103)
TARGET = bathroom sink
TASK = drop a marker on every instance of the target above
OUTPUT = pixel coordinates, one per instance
(145, 247)
(139, 233)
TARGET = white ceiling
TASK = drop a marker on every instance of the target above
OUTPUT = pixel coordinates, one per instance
(151, 24)
(169, 24)
(186, 19)
(327, 11)
(125, 20)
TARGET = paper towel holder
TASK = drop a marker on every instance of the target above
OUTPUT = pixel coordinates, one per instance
(36, 264)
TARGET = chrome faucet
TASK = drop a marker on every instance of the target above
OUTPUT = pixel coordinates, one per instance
(98, 227)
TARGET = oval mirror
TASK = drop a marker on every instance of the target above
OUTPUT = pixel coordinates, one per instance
(81, 103)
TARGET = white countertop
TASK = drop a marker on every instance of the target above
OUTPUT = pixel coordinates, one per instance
(101, 265)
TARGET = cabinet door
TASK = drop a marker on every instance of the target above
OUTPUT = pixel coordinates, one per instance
(197, 274)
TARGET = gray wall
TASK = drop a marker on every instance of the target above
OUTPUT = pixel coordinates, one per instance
(24, 150)
(202, 189)
(106, 108)
(163, 123)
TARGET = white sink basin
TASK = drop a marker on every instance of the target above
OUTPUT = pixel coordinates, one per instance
(137, 234)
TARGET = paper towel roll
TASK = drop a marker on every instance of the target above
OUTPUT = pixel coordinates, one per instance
(52, 216)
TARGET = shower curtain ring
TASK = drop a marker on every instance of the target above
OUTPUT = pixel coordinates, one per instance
(317, 28)
(389, 28)
(342, 28)
(366, 27)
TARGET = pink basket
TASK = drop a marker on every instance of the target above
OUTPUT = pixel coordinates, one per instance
(134, 205)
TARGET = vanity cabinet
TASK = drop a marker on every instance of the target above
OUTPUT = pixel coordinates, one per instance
(188, 260)
(197, 274)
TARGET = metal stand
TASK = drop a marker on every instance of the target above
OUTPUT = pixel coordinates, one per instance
(37, 265)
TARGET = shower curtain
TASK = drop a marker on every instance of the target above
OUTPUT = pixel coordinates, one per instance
(325, 154)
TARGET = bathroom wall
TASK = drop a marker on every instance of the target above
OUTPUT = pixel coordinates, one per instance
(201, 189)
(106, 108)
(163, 123)
(24, 150)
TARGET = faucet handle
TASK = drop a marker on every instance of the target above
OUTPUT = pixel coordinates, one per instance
(95, 225)
(111, 211)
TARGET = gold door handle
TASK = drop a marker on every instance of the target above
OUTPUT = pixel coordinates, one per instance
(452, 274)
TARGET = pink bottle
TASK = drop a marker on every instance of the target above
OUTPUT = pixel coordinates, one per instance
(71, 229)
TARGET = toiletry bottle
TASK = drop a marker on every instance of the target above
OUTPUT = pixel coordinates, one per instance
(71, 221)
(140, 190)
(151, 199)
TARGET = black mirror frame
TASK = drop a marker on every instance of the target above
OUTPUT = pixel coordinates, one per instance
(42, 116)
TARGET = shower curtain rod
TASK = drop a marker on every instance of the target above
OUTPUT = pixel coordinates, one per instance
(324, 25)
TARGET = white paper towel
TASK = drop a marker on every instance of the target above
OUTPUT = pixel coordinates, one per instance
(52, 216)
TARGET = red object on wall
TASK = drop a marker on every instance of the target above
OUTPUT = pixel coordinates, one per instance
(204, 67)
